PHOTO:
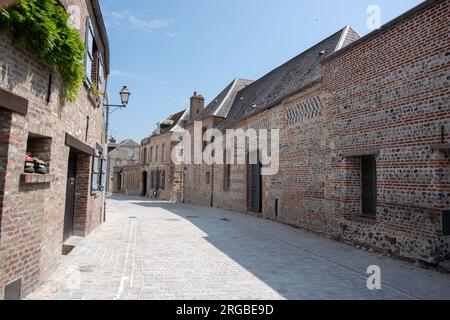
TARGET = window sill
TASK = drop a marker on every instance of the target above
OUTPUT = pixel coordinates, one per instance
(368, 218)
(34, 178)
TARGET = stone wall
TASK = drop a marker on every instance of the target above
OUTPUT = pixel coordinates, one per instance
(121, 157)
(299, 188)
(390, 93)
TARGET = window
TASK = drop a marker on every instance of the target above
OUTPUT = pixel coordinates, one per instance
(157, 180)
(163, 179)
(130, 152)
(90, 49)
(151, 154)
(208, 178)
(101, 75)
(39, 147)
(156, 153)
(95, 172)
(145, 156)
(152, 180)
(226, 177)
(369, 186)
(98, 179)
(205, 143)
(163, 152)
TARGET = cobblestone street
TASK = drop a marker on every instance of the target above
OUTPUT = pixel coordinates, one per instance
(157, 250)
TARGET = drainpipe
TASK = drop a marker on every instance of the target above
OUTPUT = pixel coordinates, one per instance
(212, 185)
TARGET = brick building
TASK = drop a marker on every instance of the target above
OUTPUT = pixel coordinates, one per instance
(39, 212)
(388, 98)
(125, 153)
(263, 105)
(198, 178)
(363, 139)
(155, 171)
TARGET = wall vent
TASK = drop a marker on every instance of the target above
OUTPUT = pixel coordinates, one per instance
(13, 291)
(446, 222)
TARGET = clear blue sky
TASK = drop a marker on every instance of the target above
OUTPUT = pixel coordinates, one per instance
(164, 50)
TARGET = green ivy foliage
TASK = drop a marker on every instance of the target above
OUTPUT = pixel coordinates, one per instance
(43, 24)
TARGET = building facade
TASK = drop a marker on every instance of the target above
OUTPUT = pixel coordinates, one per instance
(156, 175)
(198, 178)
(388, 97)
(38, 212)
(363, 147)
(363, 140)
(125, 153)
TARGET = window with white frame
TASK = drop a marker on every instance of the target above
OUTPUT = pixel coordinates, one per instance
(98, 178)
(89, 50)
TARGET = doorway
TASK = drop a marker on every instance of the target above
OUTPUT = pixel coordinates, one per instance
(255, 188)
(70, 195)
(144, 183)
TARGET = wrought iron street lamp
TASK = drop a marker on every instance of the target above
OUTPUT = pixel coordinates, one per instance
(125, 95)
(124, 98)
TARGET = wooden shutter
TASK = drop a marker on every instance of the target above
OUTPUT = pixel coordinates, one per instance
(95, 172)
(103, 172)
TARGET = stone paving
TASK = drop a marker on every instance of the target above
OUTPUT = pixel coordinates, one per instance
(158, 250)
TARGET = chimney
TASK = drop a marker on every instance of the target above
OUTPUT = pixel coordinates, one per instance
(197, 105)
(112, 140)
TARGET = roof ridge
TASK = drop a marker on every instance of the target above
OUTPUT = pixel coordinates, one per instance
(233, 85)
(292, 59)
(342, 39)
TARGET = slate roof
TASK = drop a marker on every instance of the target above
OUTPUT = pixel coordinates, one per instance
(128, 143)
(174, 119)
(182, 122)
(286, 80)
(221, 105)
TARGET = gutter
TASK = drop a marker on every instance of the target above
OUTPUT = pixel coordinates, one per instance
(104, 34)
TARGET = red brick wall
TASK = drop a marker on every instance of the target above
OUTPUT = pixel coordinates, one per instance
(391, 92)
(132, 178)
(32, 215)
(196, 188)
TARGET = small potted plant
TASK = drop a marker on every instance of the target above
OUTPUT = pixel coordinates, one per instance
(39, 166)
(29, 164)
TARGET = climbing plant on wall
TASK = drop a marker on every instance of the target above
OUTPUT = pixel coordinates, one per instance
(43, 25)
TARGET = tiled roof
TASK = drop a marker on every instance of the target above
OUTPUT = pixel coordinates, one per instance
(221, 105)
(286, 80)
